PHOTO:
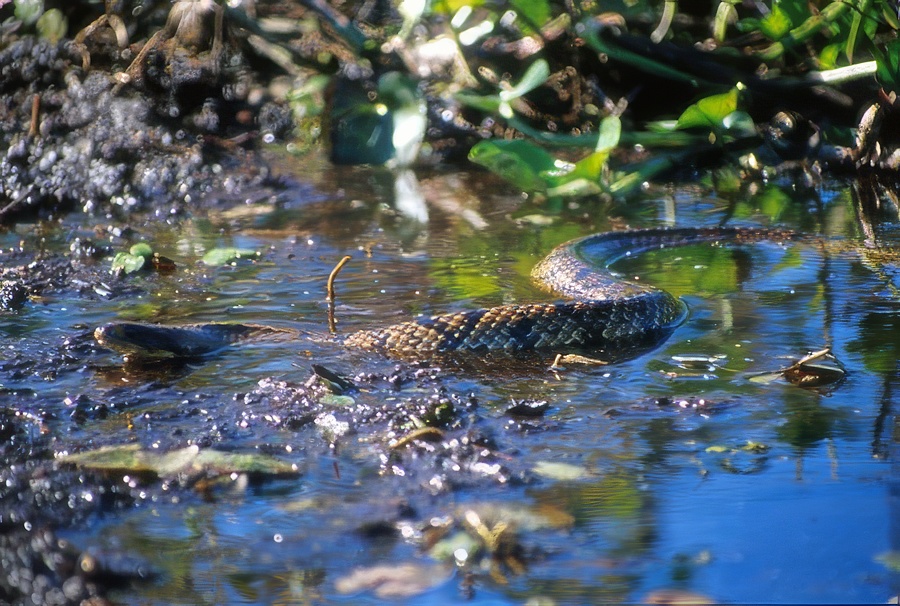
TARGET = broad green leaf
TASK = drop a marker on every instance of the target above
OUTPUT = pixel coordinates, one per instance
(226, 256)
(141, 249)
(536, 12)
(828, 57)
(709, 111)
(52, 25)
(127, 263)
(130, 458)
(887, 59)
(520, 162)
(890, 16)
(776, 24)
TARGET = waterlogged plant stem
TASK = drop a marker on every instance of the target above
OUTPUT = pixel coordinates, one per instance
(804, 31)
(333, 275)
(329, 297)
(849, 73)
(669, 9)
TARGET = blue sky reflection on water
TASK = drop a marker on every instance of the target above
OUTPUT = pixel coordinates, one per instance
(667, 496)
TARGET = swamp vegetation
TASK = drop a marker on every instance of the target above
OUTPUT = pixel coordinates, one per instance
(207, 161)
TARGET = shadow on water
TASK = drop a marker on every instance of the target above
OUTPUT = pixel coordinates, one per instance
(666, 468)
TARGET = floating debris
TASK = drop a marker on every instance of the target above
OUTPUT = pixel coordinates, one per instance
(818, 369)
(218, 257)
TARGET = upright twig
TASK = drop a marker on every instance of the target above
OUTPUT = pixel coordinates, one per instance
(329, 297)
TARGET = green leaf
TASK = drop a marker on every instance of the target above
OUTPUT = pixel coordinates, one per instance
(141, 249)
(228, 255)
(52, 25)
(28, 11)
(709, 112)
(522, 163)
(591, 167)
(130, 458)
(888, 61)
(536, 74)
(127, 263)
(890, 16)
(776, 24)
(536, 12)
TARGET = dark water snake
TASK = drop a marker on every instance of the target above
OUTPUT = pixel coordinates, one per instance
(597, 310)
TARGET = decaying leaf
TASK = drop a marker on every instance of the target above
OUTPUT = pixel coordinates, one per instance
(131, 459)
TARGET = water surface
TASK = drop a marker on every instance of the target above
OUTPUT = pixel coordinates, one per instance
(691, 475)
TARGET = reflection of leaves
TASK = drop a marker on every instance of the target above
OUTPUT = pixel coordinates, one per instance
(560, 471)
(393, 581)
(615, 495)
(806, 424)
(890, 559)
(461, 279)
(131, 459)
(877, 341)
(700, 269)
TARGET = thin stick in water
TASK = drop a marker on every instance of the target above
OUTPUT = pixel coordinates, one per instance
(334, 272)
(329, 297)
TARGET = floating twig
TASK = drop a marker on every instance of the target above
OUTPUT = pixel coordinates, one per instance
(562, 359)
(9, 208)
(809, 358)
(422, 433)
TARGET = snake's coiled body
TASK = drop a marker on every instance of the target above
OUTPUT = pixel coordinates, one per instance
(602, 312)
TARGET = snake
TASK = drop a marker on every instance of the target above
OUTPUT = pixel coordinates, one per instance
(595, 310)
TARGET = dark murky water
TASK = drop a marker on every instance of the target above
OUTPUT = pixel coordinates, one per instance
(659, 489)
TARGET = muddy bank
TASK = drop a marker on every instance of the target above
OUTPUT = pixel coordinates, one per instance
(76, 140)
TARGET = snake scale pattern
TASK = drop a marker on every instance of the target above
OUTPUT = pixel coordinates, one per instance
(597, 310)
